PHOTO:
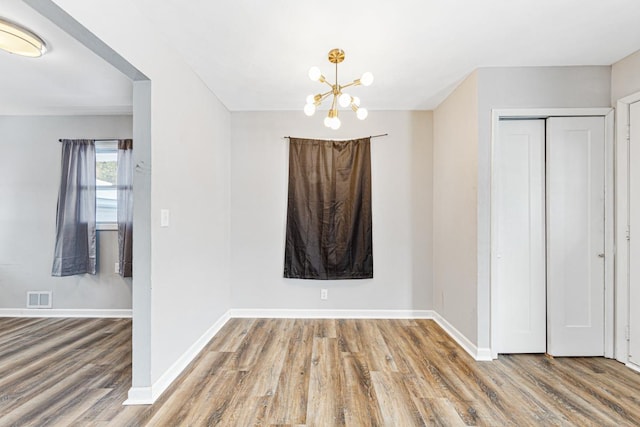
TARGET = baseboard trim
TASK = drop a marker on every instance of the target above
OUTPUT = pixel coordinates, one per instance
(139, 396)
(330, 314)
(63, 312)
(479, 354)
(632, 366)
(148, 395)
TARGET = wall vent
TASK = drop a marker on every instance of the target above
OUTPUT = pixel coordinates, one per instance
(39, 299)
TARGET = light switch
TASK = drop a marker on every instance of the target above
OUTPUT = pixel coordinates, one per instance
(164, 217)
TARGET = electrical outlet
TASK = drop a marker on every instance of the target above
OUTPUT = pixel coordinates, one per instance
(324, 293)
(117, 270)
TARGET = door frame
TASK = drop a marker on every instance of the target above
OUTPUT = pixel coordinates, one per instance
(622, 229)
(543, 113)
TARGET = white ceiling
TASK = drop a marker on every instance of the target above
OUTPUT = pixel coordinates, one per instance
(68, 79)
(255, 55)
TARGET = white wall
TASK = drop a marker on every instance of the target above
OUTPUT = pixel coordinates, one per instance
(30, 165)
(401, 203)
(189, 174)
(625, 77)
(455, 152)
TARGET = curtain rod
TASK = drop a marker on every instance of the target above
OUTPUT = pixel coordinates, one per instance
(98, 140)
(371, 136)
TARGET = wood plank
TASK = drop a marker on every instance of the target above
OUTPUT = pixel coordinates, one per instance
(325, 405)
(289, 404)
(262, 378)
(325, 328)
(361, 402)
(396, 405)
(379, 357)
(311, 372)
(348, 336)
(439, 412)
(231, 335)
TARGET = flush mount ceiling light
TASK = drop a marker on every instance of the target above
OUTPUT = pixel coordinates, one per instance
(341, 98)
(19, 40)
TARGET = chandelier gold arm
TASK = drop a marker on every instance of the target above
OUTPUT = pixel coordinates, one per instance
(317, 99)
(353, 83)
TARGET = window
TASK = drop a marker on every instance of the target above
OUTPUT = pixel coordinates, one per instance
(106, 189)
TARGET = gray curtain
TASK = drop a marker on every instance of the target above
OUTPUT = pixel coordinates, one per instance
(125, 206)
(75, 248)
(329, 232)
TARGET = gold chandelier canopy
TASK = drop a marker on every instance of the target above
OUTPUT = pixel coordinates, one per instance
(340, 98)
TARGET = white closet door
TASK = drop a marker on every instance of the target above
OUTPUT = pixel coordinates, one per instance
(634, 241)
(518, 260)
(575, 236)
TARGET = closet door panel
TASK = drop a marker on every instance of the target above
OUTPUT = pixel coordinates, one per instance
(575, 236)
(518, 261)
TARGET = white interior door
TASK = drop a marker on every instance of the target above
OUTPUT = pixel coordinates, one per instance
(575, 236)
(518, 259)
(634, 242)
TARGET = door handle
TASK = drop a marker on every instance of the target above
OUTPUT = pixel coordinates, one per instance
(600, 255)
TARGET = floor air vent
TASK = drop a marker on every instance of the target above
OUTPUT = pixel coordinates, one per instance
(39, 299)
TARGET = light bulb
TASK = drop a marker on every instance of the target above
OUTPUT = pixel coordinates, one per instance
(309, 109)
(344, 100)
(366, 79)
(362, 113)
(314, 73)
(311, 99)
(335, 123)
(355, 101)
(327, 121)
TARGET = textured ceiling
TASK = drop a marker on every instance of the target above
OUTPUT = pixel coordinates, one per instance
(254, 55)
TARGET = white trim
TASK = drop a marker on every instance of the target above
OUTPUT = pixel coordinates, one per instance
(544, 113)
(632, 366)
(610, 237)
(330, 314)
(148, 395)
(106, 226)
(139, 396)
(622, 222)
(479, 354)
(63, 312)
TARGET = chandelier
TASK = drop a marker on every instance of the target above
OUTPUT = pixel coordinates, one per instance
(340, 98)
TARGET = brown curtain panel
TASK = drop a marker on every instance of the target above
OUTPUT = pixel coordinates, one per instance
(329, 232)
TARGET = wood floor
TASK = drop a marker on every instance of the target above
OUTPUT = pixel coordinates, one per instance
(285, 372)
